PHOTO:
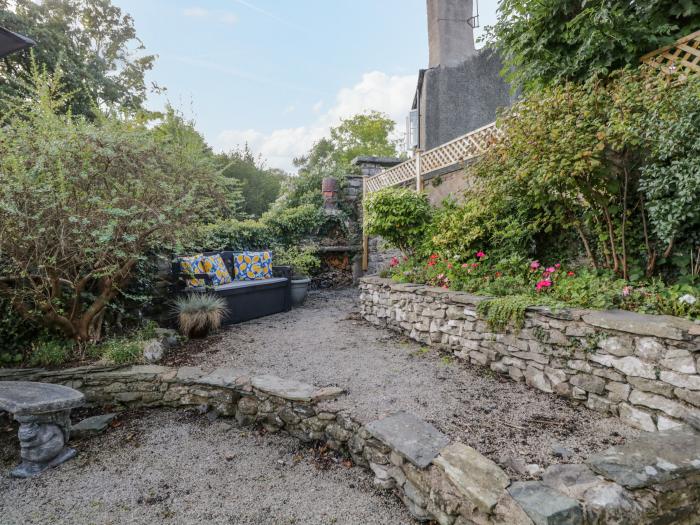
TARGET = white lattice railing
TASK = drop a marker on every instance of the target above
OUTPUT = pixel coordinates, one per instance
(459, 150)
(683, 56)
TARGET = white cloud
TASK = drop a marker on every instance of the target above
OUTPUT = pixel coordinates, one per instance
(375, 91)
(195, 12)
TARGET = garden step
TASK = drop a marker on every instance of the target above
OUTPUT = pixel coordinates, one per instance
(419, 442)
(544, 505)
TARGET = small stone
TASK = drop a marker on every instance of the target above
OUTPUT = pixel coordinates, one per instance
(537, 379)
(679, 361)
(247, 406)
(633, 366)
(153, 351)
(92, 426)
(478, 478)
(649, 349)
(327, 393)
(665, 423)
(617, 391)
(688, 396)
(647, 385)
(636, 418)
(544, 505)
(610, 503)
(616, 346)
(671, 408)
(533, 469)
(570, 480)
(681, 380)
(589, 383)
(559, 451)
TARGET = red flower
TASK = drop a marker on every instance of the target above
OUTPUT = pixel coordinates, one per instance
(480, 255)
(498, 274)
(557, 266)
(449, 266)
(474, 265)
(394, 262)
(570, 274)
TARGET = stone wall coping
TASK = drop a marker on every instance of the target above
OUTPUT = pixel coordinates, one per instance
(664, 326)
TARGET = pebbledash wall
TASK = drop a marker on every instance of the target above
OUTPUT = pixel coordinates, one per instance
(642, 368)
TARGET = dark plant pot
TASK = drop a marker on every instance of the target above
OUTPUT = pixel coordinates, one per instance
(300, 288)
(200, 333)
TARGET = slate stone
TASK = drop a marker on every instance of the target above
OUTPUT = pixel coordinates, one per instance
(544, 505)
(225, 377)
(284, 388)
(26, 397)
(476, 477)
(419, 442)
(651, 458)
(92, 426)
(571, 480)
(188, 375)
(640, 324)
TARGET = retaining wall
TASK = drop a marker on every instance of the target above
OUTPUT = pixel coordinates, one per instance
(642, 368)
(655, 479)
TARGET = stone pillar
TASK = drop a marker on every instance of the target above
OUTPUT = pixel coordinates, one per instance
(368, 166)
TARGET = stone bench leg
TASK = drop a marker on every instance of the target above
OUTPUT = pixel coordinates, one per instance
(42, 439)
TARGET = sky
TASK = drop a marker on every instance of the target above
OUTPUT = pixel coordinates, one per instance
(276, 74)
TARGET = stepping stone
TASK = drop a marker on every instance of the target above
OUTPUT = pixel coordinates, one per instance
(419, 442)
(650, 459)
(224, 377)
(284, 388)
(544, 505)
(92, 426)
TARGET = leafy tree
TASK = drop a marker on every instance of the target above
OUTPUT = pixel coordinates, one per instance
(399, 215)
(364, 134)
(260, 186)
(81, 203)
(545, 41)
(92, 42)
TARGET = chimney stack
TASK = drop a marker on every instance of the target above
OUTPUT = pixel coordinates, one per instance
(450, 37)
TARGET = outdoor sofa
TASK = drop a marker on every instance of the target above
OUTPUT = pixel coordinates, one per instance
(245, 299)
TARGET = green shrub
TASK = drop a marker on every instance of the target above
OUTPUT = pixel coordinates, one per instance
(304, 261)
(120, 351)
(50, 352)
(401, 216)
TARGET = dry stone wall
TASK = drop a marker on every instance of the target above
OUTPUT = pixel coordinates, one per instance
(653, 480)
(642, 368)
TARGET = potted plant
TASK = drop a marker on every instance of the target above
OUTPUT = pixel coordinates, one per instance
(304, 262)
(199, 314)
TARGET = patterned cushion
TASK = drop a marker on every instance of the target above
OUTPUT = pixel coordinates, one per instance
(252, 266)
(190, 266)
(214, 266)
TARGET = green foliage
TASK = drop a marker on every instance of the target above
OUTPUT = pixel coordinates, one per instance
(50, 352)
(304, 261)
(81, 203)
(503, 311)
(401, 216)
(92, 42)
(550, 41)
(119, 351)
(260, 186)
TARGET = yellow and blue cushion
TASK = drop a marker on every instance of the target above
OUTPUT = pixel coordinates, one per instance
(216, 269)
(190, 266)
(252, 266)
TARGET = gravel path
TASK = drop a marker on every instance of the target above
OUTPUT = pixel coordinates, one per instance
(326, 343)
(177, 468)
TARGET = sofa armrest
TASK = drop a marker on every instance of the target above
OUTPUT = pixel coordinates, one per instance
(282, 271)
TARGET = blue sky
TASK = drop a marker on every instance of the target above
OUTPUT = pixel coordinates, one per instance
(278, 73)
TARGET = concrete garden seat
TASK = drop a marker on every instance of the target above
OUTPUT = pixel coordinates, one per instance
(43, 412)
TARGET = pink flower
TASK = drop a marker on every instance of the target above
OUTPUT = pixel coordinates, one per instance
(449, 266)
(545, 274)
(480, 255)
(551, 269)
(474, 265)
(394, 262)
(626, 291)
(543, 284)
(441, 276)
(465, 265)
(557, 266)
(534, 265)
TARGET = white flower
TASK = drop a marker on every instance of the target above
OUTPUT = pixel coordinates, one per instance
(687, 299)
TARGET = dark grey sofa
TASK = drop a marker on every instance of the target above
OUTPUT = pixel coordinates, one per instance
(245, 299)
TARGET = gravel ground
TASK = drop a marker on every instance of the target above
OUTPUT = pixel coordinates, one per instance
(326, 343)
(178, 468)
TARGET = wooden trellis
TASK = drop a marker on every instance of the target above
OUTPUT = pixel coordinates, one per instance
(459, 150)
(681, 57)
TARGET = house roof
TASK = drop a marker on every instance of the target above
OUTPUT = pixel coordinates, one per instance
(11, 42)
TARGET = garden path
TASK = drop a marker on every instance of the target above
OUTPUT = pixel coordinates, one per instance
(326, 343)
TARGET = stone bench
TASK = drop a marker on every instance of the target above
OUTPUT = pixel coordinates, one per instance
(43, 412)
